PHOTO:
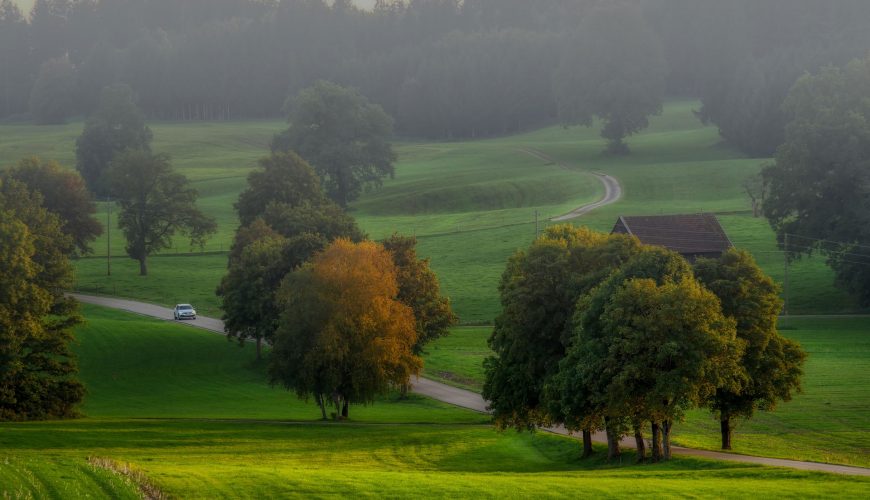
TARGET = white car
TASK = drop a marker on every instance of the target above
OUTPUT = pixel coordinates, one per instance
(183, 311)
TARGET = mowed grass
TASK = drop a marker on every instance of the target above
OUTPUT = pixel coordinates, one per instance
(192, 412)
(828, 422)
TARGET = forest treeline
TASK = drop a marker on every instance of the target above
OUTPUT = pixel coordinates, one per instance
(441, 68)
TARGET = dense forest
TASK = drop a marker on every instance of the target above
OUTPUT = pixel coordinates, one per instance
(441, 68)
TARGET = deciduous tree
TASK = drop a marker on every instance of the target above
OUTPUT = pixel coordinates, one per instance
(342, 135)
(63, 194)
(155, 204)
(117, 125)
(344, 336)
(539, 292)
(772, 363)
(419, 290)
(817, 189)
(285, 178)
(37, 367)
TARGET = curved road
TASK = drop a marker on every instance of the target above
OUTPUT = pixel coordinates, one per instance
(612, 188)
(472, 400)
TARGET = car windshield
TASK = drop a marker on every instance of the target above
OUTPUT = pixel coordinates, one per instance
(185, 307)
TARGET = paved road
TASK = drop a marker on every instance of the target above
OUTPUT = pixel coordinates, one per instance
(612, 188)
(473, 400)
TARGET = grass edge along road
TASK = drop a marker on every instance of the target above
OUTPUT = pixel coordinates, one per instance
(471, 400)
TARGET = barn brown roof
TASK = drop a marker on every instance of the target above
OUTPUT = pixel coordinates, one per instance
(690, 235)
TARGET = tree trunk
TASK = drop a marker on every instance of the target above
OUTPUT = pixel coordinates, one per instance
(345, 410)
(259, 348)
(322, 404)
(725, 426)
(613, 451)
(666, 439)
(656, 442)
(587, 443)
(641, 446)
(143, 266)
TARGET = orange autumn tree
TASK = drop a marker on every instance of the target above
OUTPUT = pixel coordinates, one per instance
(344, 337)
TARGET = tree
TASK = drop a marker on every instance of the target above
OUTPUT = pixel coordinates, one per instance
(117, 125)
(344, 336)
(755, 187)
(817, 196)
(15, 79)
(63, 194)
(247, 290)
(52, 99)
(772, 363)
(613, 69)
(342, 135)
(285, 178)
(670, 349)
(155, 204)
(37, 367)
(419, 290)
(539, 292)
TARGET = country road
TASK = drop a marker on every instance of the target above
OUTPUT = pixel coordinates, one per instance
(472, 400)
(612, 188)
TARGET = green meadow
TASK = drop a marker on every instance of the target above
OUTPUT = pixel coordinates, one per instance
(192, 413)
(471, 204)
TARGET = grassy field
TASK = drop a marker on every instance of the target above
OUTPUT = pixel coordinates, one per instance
(192, 412)
(471, 204)
(828, 422)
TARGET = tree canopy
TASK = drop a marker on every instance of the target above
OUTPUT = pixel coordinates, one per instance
(344, 337)
(155, 204)
(817, 190)
(771, 363)
(116, 126)
(63, 194)
(342, 135)
(37, 366)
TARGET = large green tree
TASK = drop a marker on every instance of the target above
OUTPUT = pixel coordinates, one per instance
(342, 135)
(155, 204)
(817, 196)
(539, 292)
(116, 125)
(63, 194)
(284, 178)
(612, 69)
(37, 366)
(772, 363)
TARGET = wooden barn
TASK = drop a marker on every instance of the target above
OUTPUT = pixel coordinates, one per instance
(692, 236)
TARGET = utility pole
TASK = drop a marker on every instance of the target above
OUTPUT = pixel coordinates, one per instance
(108, 236)
(536, 224)
(785, 281)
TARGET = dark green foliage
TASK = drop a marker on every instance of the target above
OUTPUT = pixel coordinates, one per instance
(539, 291)
(52, 99)
(37, 368)
(155, 204)
(419, 290)
(285, 178)
(772, 363)
(63, 194)
(613, 69)
(817, 192)
(117, 125)
(342, 135)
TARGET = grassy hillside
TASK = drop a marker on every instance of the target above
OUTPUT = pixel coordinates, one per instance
(828, 422)
(192, 412)
(471, 204)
